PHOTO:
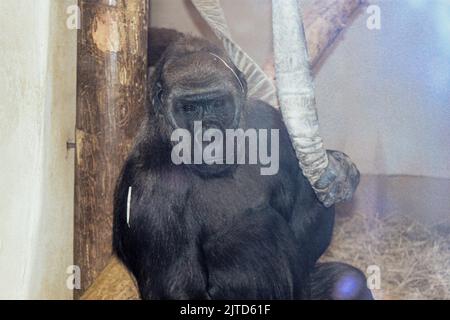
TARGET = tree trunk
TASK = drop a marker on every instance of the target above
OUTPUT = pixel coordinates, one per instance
(111, 91)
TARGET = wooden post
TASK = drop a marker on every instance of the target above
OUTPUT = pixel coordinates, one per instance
(111, 91)
(115, 282)
(324, 20)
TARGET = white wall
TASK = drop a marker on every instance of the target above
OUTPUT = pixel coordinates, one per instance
(384, 95)
(37, 116)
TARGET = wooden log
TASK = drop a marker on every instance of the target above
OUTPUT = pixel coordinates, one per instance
(324, 19)
(111, 91)
(115, 282)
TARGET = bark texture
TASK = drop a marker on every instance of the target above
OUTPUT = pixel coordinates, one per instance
(111, 91)
(323, 21)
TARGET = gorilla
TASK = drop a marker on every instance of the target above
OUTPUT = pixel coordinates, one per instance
(218, 231)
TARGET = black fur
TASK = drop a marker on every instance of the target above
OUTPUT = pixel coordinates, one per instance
(230, 234)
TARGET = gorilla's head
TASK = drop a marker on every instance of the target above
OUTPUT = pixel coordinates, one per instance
(196, 81)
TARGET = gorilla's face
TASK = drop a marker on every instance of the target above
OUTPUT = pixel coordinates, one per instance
(215, 109)
(200, 87)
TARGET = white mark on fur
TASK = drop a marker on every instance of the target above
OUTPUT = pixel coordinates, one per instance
(128, 206)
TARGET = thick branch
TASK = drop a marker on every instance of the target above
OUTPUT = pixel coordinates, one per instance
(324, 20)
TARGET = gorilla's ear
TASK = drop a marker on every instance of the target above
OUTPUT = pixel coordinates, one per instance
(156, 96)
(155, 90)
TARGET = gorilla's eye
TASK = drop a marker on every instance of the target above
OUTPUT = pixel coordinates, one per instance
(189, 108)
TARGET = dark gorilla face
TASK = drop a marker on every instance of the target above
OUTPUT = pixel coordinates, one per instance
(213, 109)
(200, 87)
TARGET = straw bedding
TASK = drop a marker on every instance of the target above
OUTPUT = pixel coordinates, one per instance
(414, 260)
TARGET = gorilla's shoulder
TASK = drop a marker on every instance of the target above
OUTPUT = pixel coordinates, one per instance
(261, 115)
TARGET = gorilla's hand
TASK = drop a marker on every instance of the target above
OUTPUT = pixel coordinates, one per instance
(339, 181)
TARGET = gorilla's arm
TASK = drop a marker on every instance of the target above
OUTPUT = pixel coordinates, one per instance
(294, 197)
(311, 221)
(160, 245)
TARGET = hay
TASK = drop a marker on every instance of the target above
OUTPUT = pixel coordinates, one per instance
(414, 260)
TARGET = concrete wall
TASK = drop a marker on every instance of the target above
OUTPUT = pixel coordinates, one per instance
(37, 117)
(384, 95)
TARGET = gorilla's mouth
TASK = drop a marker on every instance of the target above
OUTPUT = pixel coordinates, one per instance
(215, 170)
